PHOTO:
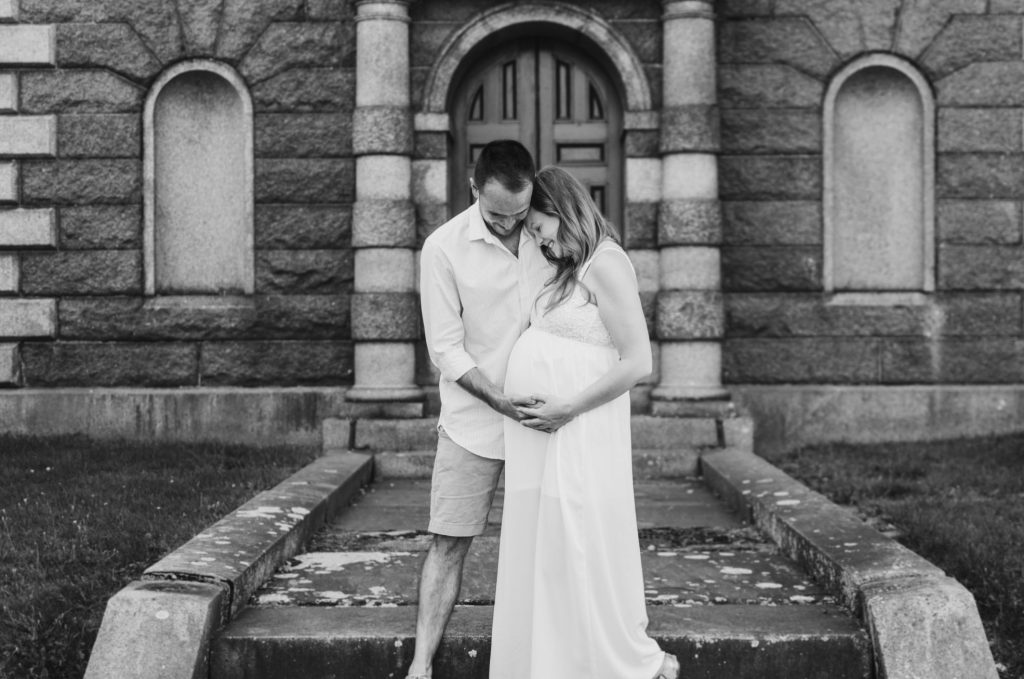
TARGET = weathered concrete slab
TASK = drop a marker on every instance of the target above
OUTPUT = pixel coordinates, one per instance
(383, 569)
(680, 503)
(832, 543)
(244, 548)
(922, 623)
(793, 416)
(157, 629)
(404, 504)
(740, 642)
(694, 552)
(262, 417)
(945, 636)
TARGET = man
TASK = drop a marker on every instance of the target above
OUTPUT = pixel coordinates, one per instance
(479, 275)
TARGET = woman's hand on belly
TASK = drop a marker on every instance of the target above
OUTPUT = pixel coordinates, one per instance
(547, 413)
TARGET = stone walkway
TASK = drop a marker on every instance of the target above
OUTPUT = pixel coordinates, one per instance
(718, 592)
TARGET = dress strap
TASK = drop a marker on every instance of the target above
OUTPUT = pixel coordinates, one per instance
(603, 246)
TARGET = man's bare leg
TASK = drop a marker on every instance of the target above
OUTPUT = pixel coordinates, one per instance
(440, 581)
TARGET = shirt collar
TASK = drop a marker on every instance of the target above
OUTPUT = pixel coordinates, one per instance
(478, 230)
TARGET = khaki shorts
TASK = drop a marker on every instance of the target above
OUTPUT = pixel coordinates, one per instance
(461, 489)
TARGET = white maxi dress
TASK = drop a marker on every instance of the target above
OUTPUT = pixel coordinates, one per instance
(570, 591)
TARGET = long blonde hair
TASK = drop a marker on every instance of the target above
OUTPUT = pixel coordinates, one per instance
(581, 226)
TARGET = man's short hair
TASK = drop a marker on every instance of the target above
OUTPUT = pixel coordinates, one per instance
(507, 162)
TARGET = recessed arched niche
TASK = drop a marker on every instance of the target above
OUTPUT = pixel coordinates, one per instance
(879, 179)
(199, 182)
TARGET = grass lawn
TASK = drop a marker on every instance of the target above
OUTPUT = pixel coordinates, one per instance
(80, 519)
(959, 504)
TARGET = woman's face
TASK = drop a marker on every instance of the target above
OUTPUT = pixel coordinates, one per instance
(544, 229)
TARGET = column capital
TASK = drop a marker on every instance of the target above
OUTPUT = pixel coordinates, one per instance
(383, 10)
(688, 9)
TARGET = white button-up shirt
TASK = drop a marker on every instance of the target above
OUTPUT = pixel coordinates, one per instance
(476, 298)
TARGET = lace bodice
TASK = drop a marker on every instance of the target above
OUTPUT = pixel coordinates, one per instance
(575, 318)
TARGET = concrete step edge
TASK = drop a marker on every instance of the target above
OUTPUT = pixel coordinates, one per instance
(201, 585)
(878, 579)
(739, 642)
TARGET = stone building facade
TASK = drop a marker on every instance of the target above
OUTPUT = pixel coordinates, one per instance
(822, 198)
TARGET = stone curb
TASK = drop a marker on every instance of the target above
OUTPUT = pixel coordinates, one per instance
(923, 624)
(738, 641)
(200, 586)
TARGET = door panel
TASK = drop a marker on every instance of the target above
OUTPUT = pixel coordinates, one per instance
(494, 101)
(557, 102)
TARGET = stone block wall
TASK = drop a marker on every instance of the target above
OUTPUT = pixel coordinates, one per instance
(775, 62)
(639, 23)
(74, 77)
(73, 82)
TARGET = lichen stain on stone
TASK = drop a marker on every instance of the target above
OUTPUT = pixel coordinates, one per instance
(261, 512)
(273, 598)
(324, 563)
(730, 570)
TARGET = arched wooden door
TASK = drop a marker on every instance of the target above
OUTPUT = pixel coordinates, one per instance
(557, 102)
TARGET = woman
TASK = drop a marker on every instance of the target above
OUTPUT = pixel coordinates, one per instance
(570, 594)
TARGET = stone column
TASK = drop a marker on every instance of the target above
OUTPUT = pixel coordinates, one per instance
(385, 307)
(21, 229)
(690, 311)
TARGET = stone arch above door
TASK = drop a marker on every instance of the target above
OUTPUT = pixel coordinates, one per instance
(629, 72)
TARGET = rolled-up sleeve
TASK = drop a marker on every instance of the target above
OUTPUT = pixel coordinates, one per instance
(442, 314)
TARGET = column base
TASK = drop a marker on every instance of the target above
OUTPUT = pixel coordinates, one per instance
(719, 409)
(365, 394)
(689, 393)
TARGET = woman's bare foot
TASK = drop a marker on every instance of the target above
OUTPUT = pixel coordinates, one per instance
(669, 668)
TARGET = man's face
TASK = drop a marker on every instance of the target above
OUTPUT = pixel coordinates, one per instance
(503, 210)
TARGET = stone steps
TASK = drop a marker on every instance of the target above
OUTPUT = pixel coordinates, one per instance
(718, 642)
(648, 463)
(719, 596)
